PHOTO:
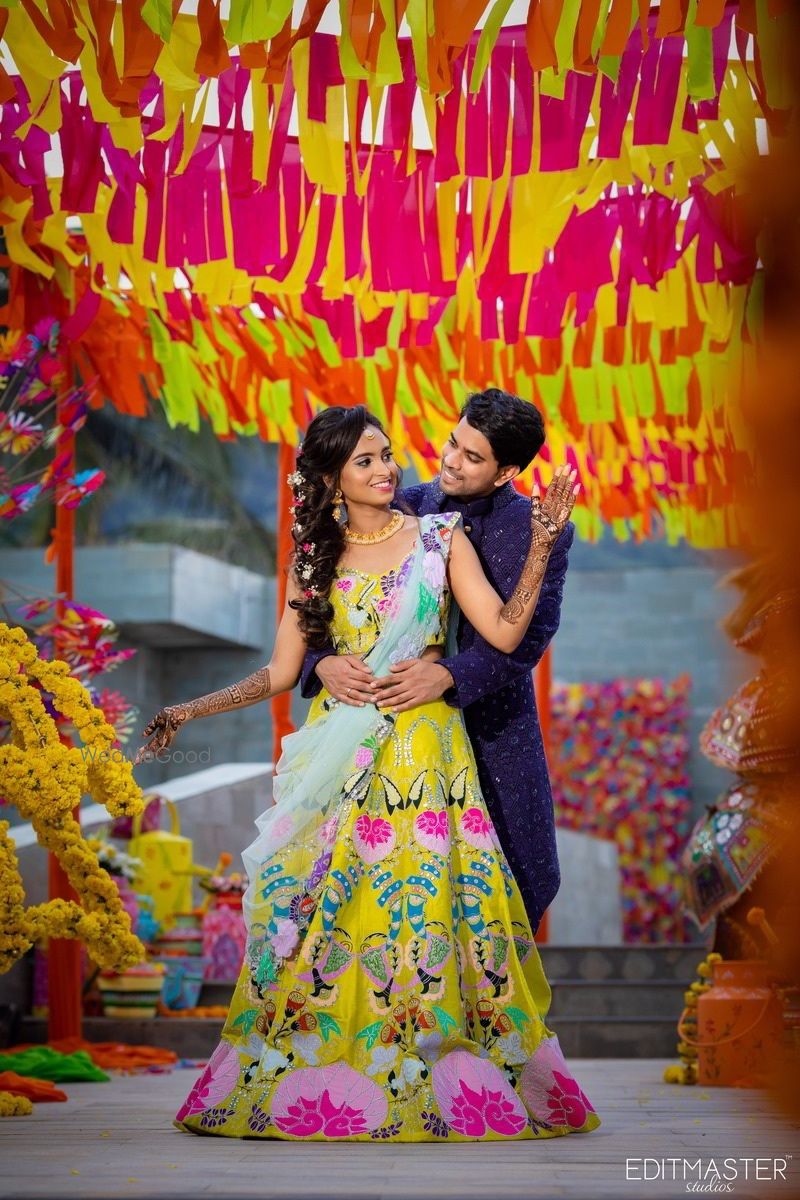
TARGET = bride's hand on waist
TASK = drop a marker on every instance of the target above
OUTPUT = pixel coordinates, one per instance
(413, 682)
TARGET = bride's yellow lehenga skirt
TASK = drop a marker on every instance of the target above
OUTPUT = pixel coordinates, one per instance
(412, 1009)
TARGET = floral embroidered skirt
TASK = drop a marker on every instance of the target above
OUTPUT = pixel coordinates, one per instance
(413, 1007)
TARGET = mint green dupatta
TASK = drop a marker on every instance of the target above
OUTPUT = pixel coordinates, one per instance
(328, 765)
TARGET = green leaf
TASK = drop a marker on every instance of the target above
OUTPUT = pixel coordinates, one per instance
(328, 1025)
(446, 1022)
(370, 1033)
(246, 1020)
(517, 1016)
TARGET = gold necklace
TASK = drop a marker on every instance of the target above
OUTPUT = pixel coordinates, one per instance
(381, 535)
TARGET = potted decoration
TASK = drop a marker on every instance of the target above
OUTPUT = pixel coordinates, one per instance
(224, 932)
(134, 993)
(122, 868)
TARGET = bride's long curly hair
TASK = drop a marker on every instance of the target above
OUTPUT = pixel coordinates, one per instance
(319, 541)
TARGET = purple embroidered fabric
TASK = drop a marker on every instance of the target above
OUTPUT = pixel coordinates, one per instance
(495, 690)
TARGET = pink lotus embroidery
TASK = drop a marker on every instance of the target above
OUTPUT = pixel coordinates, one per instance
(327, 832)
(549, 1091)
(471, 1112)
(283, 827)
(364, 756)
(344, 585)
(474, 1096)
(285, 937)
(215, 1083)
(322, 1116)
(568, 1104)
(432, 830)
(373, 838)
(334, 1101)
(433, 570)
(477, 829)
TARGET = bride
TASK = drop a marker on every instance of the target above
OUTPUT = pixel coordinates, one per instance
(391, 989)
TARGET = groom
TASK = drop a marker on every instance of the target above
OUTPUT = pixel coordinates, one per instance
(497, 437)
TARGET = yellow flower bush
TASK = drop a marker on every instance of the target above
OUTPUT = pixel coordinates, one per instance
(45, 779)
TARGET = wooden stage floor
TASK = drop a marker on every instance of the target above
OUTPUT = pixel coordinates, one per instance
(116, 1139)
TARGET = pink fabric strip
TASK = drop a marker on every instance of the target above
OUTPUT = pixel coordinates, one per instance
(564, 123)
(522, 128)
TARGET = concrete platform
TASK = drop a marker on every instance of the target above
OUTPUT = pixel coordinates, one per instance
(116, 1139)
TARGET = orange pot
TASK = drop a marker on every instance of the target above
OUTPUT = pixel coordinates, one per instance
(739, 1026)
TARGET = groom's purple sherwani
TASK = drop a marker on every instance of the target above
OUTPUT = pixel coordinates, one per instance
(495, 690)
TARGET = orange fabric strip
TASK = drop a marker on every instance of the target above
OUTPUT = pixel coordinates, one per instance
(618, 28)
(253, 55)
(540, 33)
(212, 57)
(709, 13)
(142, 48)
(37, 1090)
(746, 16)
(671, 18)
(359, 25)
(60, 37)
(7, 90)
(584, 31)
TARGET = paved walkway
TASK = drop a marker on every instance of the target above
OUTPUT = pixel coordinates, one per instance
(116, 1139)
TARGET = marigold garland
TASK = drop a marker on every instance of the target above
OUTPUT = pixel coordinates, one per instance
(45, 779)
(14, 1106)
(686, 1073)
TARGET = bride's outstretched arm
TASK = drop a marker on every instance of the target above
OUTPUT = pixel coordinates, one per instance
(280, 674)
(504, 623)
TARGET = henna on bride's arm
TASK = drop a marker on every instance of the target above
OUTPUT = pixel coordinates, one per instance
(239, 695)
(528, 586)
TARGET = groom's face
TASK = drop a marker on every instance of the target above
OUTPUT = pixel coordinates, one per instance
(469, 468)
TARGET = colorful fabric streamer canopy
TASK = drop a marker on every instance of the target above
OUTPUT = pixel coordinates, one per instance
(123, 45)
(552, 208)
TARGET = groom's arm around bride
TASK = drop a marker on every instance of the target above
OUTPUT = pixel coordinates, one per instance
(494, 689)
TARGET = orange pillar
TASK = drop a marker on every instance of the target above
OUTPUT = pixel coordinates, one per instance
(542, 682)
(282, 705)
(63, 954)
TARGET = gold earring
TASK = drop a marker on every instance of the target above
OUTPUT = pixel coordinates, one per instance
(338, 507)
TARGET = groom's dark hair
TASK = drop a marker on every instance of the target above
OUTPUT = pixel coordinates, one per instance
(513, 427)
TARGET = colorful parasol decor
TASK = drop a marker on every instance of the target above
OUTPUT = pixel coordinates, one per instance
(619, 771)
(753, 735)
(729, 846)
